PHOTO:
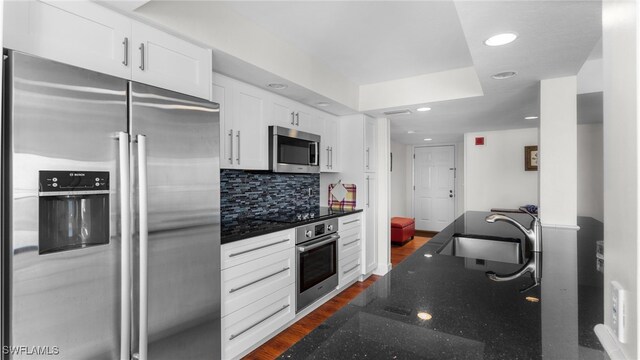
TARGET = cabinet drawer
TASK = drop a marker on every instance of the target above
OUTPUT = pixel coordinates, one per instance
(350, 222)
(349, 269)
(242, 251)
(249, 282)
(253, 323)
(350, 243)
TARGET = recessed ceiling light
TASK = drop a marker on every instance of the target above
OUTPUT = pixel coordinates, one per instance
(501, 39)
(411, 132)
(277, 86)
(424, 315)
(423, 109)
(322, 104)
(428, 139)
(504, 75)
(530, 117)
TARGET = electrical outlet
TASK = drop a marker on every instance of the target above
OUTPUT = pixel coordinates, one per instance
(618, 311)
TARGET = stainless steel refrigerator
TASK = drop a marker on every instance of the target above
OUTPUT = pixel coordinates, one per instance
(110, 217)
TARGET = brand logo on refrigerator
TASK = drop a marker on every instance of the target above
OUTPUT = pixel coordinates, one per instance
(76, 174)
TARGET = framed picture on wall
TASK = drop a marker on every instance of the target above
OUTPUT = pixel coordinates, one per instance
(531, 158)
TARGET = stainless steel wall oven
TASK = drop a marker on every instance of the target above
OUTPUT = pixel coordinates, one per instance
(317, 261)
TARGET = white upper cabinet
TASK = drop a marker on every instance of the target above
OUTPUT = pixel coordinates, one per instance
(168, 62)
(243, 124)
(330, 145)
(293, 115)
(87, 35)
(78, 33)
(370, 147)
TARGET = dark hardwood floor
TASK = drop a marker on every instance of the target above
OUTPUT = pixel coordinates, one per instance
(294, 333)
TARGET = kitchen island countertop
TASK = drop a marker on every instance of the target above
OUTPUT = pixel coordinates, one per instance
(470, 316)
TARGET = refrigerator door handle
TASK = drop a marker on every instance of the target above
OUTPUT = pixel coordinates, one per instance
(144, 242)
(125, 243)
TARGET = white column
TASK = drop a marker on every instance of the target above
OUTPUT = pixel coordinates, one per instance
(558, 152)
(383, 192)
(620, 40)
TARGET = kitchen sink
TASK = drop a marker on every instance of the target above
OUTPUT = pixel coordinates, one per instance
(506, 251)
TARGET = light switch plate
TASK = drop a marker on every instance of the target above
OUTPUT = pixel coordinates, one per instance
(618, 311)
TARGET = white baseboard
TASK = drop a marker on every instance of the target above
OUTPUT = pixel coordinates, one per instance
(609, 342)
(382, 270)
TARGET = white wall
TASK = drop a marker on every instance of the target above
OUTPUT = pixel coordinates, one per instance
(399, 173)
(620, 45)
(494, 175)
(558, 155)
(590, 171)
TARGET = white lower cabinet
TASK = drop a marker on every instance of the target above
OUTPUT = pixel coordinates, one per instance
(244, 284)
(349, 249)
(258, 290)
(244, 328)
(349, 269)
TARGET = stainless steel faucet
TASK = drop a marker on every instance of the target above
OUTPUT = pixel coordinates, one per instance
(534, 245)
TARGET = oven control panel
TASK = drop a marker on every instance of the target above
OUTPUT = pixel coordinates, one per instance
(316, 230)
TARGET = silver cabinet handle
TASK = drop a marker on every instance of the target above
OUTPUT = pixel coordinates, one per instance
(141, 48)
(258, 280)
(233, 336)
(328, 166)
(297, 119)
(331, 151)
(144, 246)
(351, 222)
(231, 147)
(368, 185)
(125, 44)
(125, 248)
(238, 156)
(350, 270)
(258, 248)
(352, 242)
(293, 122)
(367, 158)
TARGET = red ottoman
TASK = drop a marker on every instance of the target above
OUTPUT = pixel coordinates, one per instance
(402, 229)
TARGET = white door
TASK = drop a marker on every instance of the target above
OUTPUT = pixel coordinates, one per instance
(370, 149)
(165, 61)
(79, 33)
(283, 114)
(250, 130)
(434, 180)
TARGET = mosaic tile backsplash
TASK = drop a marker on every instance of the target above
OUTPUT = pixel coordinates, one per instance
(245, 194)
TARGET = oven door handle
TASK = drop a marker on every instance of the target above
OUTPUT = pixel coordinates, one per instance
(318, 243)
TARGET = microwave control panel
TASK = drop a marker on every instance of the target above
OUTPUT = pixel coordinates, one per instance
(72, 180)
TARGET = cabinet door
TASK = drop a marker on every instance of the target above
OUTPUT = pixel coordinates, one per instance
(330, 145)
(165, 61)
(250, 127)
(370, 149)
(283, 114)
(79, 33)
(306, 122)
(370, 252)
(223, 95)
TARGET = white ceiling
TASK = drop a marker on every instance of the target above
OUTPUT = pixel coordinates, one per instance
(368, 41)
(555, 39)
(377, 41)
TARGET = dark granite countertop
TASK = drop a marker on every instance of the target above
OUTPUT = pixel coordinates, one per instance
(472, 316)
(245, 228)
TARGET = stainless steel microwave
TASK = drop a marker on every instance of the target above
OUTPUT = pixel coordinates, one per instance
(293, 151)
